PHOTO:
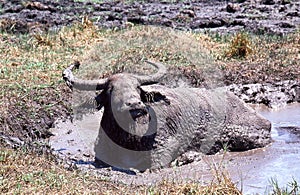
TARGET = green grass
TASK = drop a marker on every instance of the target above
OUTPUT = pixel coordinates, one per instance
(292, 188)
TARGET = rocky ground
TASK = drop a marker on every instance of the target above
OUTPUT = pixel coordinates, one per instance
(273, 95)
(259, 16)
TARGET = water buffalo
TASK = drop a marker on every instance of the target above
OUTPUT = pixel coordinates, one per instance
(147, 125)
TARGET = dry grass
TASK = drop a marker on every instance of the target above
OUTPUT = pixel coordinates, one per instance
(24, 172)
(131, 47)
(220, 185)
(39, 58)
(240, 46)
(252, 58)
(28, 173)
(126, 50)
(240, 58)
(32, 92)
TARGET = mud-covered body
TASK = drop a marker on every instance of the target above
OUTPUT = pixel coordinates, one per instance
(148, 125)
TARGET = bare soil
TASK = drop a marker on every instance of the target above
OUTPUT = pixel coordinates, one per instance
(259, 16)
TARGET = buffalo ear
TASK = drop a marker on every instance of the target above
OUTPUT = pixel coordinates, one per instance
(100, 100)
(154, 94)
(90, 104)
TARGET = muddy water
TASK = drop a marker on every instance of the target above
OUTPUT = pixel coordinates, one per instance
(74, 140)
(251, 170)
(281, 159)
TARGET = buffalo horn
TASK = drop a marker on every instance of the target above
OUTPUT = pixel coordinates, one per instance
(85, 85)
(154, 77)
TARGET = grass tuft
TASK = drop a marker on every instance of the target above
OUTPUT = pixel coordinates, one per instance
(292, 188)
(220, 185)
(240, 46)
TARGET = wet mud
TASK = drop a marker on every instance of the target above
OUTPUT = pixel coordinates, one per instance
(252, 169)
(267, 16)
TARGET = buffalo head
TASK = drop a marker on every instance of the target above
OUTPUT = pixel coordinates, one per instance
(122, 97)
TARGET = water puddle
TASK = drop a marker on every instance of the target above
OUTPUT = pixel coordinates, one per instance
(75, 140)
(280, 160)
(252, 169)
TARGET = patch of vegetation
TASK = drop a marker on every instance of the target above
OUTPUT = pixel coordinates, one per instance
(240, 46)
(28, 173)
(292, 188)
(126, 50)
(258, 58)
(32, 92)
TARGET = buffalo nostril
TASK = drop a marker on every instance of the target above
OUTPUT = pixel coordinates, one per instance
(128, 104)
